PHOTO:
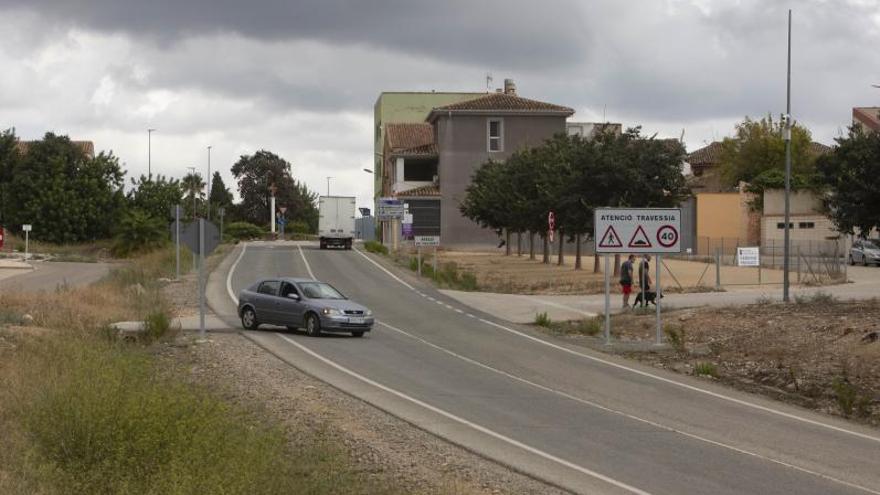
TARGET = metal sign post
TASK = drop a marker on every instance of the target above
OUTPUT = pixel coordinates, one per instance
(607, 302)
(657, 299)
(641, 231)
(419, 259)
(27, 230)
(221, 211)
(177, 242)
(202, 277)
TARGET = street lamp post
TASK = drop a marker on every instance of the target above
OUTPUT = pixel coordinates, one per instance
(328, 185)
(150, 153)
(193, 192)
(209, 183)
(787, 135)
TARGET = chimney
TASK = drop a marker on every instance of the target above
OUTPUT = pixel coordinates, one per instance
(509, 87)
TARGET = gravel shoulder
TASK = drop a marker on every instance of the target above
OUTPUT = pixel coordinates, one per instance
(385, 447)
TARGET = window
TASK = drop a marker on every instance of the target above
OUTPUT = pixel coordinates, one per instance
(287, 289)
(495, 128)
(781, 225)
(806, 225)
(419, 170)
(318, 290)
(269, 287)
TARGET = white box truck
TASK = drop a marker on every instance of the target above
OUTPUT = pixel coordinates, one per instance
(336, 221)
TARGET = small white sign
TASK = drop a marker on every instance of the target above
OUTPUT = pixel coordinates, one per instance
(638, 230)
(427, 240)
(26, 227)
(748, 256)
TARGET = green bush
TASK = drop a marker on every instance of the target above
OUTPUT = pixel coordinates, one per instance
(376, 247)
(676, 337)
(138, 232)
(298, 227)
(243, 231)
(543, 320)
(156, 325)
(706, 369)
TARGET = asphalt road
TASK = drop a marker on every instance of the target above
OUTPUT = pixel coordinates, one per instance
(580, 420)
(48, 276)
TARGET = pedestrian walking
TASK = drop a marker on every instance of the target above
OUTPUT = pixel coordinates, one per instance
(644, 279)
(626, 278)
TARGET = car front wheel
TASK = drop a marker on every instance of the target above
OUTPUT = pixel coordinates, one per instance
(249, 319)
(313, 325)
(852, 262)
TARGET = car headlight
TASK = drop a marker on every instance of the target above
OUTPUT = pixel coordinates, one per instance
(331, 311)
(368, 312)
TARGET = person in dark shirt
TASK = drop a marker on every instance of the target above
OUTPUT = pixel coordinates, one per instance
(626, 279)
(645, 277)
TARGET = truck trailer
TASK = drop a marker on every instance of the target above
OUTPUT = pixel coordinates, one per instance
(336, 221)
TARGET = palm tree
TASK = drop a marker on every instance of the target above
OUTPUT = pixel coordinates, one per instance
(194, 187)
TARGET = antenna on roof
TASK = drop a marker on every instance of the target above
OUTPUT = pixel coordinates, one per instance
(681, 139)
(488, 81)
(604, 107)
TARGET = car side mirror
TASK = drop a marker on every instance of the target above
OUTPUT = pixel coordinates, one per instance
(293, 296)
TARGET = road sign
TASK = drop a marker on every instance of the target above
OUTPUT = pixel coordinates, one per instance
(427, 240)
(282, 209)
(748, 256)
(189, 235)
(389, 209)
(638, 230)
(26, 227)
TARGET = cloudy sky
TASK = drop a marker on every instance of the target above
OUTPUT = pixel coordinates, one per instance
(300, 77)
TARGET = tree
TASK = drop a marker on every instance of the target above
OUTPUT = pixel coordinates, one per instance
(194, 187)
(255, 174)
(155, 197)
(138, 231)
(850, 174)
(220, 196)
(9, 157)
(759, 146)
(67, 195)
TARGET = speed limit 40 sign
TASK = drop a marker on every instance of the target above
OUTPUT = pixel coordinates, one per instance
(638, 230)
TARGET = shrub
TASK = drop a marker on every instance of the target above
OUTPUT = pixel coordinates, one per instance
(156, 325)
(676, 338)
(706, 369)
(299, 227)
(243, 231)
(543, 320)
(138, 232)
(375, 247)
(845, 393)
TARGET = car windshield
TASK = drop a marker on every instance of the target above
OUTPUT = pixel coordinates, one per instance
(318, 290)
(870, 245)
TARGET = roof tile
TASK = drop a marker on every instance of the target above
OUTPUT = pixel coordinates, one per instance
(504, 101)
(420, 192)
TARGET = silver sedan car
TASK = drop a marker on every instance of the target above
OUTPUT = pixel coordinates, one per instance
(302, 303)
(864, 251)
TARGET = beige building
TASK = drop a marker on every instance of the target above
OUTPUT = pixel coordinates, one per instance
(725, 221)
(868, 118)
(809, 229)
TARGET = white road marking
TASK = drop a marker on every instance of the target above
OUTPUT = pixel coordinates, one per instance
(542, 387)
(308, 267)
(395, 277)
(459, 311)
(563, 306)
(653, 376)
(622, 413)
(231, 271)
(460, 420)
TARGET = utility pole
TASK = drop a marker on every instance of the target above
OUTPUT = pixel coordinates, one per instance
(786, 262)
(150, 153)
(209, 183)
(194, 178)
(328, 185)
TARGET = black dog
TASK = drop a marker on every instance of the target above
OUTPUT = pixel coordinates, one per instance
(650, 297)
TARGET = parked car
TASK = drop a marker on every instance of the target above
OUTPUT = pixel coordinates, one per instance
(864, 251)
(302, 303)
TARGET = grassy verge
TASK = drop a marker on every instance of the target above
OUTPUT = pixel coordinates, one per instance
(83, 412)
(449, 275)
(585, 326)
(85, 252)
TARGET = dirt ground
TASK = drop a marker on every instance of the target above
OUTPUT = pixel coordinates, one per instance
(820, 354)
(514, 274)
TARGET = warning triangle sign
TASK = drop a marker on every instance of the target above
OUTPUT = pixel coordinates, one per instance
(610, 239)
(639, 239)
